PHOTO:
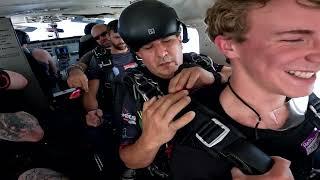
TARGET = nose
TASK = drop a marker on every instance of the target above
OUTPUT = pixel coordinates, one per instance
(314, 55)
(161, 50)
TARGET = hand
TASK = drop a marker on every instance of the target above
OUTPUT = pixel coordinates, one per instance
(94, 118)
(78, 79)
(158, 126)
(189, 78)
(279, 171)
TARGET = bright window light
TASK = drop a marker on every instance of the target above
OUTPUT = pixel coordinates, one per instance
(193, 44)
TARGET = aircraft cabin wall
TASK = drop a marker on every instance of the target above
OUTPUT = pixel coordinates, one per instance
(207, 47)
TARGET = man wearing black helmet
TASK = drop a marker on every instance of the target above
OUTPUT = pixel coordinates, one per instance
(145, 138)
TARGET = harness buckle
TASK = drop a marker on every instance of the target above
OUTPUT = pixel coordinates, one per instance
(212, 132)
(145, 86)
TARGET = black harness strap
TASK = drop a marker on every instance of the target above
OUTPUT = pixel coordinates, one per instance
(218, 138)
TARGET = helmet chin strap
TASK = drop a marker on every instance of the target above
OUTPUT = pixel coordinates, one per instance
(185, 32)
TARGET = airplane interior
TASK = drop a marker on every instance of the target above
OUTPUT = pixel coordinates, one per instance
(57, 26)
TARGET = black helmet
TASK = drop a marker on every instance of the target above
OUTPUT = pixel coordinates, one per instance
(22, 37)
(146, 21)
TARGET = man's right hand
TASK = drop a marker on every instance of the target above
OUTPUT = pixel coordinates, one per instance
(94, 118)
(279, 171)
(158, 124)
(78, 79)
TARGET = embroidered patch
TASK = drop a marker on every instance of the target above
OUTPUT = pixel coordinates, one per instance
(131, 119)
(312, 142)
(130, 65)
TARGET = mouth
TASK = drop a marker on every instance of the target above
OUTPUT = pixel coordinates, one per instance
(301, 74)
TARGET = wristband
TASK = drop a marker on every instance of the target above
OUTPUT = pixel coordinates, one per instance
(4, 79)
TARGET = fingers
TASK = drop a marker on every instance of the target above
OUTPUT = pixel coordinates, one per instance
(166, 102)
(78, 79)
(236, 174)
(149, 103)
(182, 121)
(177, 107)
(280, 163)
(189, 78)
(179, 81)
(94, 118)
(173, 83)
(280, 170)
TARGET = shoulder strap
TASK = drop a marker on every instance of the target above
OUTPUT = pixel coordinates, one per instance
(210, 132)
(103, 57)
(314, 106)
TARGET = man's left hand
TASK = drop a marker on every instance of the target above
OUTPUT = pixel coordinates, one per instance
(190, 78)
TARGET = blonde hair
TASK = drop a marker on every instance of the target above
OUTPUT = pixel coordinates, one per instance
(229, 17)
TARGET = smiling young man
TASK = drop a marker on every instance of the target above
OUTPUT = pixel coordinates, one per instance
(274, 50)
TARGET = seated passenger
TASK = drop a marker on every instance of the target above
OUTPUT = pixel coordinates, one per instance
(41, 63)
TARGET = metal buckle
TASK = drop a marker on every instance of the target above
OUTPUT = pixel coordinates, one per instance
(102, 64)
(209, 129)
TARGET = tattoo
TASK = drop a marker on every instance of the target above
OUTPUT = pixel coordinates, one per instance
(41, 174)
(19, 126)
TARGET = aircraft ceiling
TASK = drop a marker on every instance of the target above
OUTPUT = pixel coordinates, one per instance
(186, 9)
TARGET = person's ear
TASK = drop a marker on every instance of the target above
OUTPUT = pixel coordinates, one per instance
(226, 46)
(138, 54)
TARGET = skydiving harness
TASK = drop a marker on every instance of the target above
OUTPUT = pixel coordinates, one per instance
(104, 61)
(216, 137)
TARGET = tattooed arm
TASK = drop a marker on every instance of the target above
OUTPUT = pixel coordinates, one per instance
(20, 126)
(41, 174)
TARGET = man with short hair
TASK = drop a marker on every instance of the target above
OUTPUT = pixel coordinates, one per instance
(145, 138)
(274, 55)
(102, 65)
(102, 69)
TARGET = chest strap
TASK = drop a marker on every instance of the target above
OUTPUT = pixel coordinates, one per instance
(216, 137)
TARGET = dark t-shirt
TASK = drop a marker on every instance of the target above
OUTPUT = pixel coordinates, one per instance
(190, 162)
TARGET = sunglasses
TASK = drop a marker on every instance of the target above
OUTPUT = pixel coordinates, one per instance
(102, 34)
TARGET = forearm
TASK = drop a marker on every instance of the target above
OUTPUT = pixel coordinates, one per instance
(138, 155)
(90, 102)
(90, 98)
(53, 66)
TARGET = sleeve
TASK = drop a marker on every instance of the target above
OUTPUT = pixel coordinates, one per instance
(4, 80)
(86, 58)
(125, 109)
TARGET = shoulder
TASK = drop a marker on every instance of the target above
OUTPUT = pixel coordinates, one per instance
(41, 55)
(86, 57)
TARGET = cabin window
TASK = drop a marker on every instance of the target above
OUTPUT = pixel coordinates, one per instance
(193, 44)
(70, 28)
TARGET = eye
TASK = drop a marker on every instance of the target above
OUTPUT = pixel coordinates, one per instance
(147, 47)
(292, 40)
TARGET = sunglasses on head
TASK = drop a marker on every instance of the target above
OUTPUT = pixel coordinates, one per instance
(102, 34)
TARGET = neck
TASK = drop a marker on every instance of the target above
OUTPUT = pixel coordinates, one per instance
(262, 104)
(117, 51)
